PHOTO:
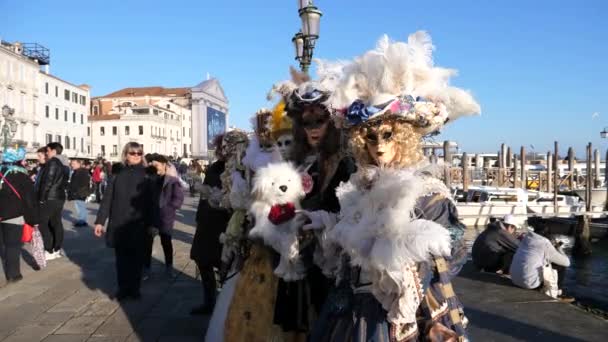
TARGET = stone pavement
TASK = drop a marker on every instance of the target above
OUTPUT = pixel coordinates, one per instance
(69, 300)
(499, 311)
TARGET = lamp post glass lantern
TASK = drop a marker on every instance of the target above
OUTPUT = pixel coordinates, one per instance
(604, 133)
(298, 42)
(304, 3)
(304, 41)
(311, 18)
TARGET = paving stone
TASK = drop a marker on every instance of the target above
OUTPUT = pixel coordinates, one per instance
(107, 338)
(66, 338)
(81, 325)
(17, 317)
(31, 333)
(118, 324)
(101, 307)
(76, 302)
(68, 300)
(149, 329)
(46, 318)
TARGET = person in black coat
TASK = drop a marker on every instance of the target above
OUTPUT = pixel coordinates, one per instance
(51, 194)
(17, 206)
(126, 205)
(211, 222)
(78, 191)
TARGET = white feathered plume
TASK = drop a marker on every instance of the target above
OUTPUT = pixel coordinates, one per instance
(399, 68)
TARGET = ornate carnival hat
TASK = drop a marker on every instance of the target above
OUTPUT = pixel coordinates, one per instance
(398, 81)
(301, 91)
(12, 155)
(261, 122)
(280, 122)
(233, 140)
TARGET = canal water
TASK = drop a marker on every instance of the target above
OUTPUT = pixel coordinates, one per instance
(586, 278)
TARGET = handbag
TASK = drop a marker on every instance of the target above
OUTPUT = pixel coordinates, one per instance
(27, 230)
(27, 233)
(550, 287)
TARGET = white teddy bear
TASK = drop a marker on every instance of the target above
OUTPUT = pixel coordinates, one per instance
(277, 191)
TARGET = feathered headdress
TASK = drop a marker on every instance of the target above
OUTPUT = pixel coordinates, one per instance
(400, 79)
(280, 122)
(261, 122)
(302, 91)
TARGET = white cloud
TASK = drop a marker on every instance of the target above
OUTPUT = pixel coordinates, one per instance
(595, 115)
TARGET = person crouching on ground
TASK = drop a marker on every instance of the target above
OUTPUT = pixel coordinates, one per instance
(78, 191)
(494, 248)
(17, 206)
(126, 205)
(534, 253)
(170, 196)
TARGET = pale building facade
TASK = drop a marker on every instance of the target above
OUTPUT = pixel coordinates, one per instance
(159, 118)
(175, 122)
(209, 116)
(47, 108)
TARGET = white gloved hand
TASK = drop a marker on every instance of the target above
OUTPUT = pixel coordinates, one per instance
(319, 219)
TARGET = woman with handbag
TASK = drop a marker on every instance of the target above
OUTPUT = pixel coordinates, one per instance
(17, 207)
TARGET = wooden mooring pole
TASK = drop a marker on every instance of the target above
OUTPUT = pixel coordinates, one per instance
(556, 177)
(606, 180)
(466, 179)
(549, 171)
(447, 162)
(571, 168)
(596, 169)
(588, 179)
(515, 172)
(582, 245)
(524, 176)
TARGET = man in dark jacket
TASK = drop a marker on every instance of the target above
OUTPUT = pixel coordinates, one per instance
(495, 247)
(78, 191)
(50, 194)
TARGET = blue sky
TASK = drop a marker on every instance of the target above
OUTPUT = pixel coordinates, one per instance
(538, 68)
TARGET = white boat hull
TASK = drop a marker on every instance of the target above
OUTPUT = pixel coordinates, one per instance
(598, 196)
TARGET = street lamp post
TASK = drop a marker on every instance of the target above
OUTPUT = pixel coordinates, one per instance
(604, 133)
(304, 41)
(9, 127)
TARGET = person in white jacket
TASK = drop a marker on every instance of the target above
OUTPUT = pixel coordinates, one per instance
(534, 252)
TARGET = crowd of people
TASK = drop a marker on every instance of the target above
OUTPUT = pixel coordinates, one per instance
(532, 259)
(35, 194)
(327, 223)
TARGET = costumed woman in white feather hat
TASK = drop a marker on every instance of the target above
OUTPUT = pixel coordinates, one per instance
(397, 233)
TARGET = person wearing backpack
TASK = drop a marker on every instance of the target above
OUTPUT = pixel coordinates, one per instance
(17, 206)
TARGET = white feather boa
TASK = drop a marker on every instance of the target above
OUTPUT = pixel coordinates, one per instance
(378, 229)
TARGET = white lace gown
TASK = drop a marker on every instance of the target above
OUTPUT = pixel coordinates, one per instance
(215, 330)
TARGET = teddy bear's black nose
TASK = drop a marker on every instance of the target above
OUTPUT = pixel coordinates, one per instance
(283, 188)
